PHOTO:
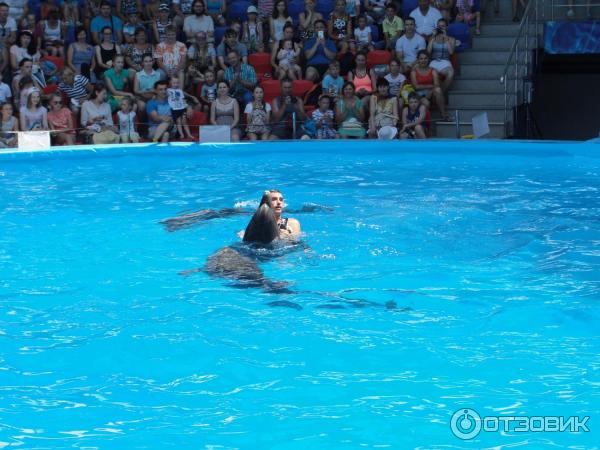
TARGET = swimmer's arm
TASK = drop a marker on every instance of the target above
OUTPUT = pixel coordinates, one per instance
(294, 226)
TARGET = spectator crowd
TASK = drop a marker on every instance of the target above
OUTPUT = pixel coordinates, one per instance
(100, 71)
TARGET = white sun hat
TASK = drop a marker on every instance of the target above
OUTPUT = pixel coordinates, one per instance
(387, 132)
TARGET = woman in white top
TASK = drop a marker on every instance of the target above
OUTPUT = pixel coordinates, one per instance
(53, 35)
(278, 20)
(96, 117)
(25, 47)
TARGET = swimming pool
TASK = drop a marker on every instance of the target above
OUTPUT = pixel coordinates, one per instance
(488, 249)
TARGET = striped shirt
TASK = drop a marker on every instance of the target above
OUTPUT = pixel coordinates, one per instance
(77, 90)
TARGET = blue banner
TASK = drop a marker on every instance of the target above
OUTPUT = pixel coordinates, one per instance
(569, 37)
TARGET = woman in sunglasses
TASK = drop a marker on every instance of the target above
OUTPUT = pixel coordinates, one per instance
(60, 120)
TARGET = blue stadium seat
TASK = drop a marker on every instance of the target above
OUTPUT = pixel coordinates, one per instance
(238, 10)
(325, 7)
(408, 6)
(461, 32)
(295, 7)
(377, 42)
(219, 32)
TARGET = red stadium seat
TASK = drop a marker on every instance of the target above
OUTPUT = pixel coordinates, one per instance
(378, 57)
(272, 89)
(262, 65)
(58, 62)
(301, 87)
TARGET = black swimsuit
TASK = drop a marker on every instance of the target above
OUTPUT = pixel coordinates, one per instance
(283, 225)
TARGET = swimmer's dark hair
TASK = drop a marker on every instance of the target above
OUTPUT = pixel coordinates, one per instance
(263, 227)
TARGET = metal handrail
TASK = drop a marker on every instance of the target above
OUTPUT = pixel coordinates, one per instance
(514, 51)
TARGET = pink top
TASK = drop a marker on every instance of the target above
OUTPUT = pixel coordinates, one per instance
(60, 119)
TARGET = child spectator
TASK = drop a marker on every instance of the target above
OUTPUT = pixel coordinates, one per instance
(413, 117)
(362, 36)
(126, 120)
(287, 57)
(9, 125)
(396, 79)
(179, 107)
(393, 27)
(258, 114)
(60, 120)
(323, 118)
(161, 22)
(278, 19)
(34, 116)
(208, 93)
(252, 34)
(333, 82)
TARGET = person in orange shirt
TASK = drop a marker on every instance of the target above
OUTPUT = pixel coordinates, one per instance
(171, 55)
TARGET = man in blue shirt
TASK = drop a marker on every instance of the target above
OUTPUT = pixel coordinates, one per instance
(320, 51)
(241, 78)
(106, 19)
(160, 120)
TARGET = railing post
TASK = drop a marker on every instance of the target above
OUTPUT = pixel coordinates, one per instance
(457, 123)
(505, 108)
(294, 125)
(527, 43)
(551, 9)
(516, 93)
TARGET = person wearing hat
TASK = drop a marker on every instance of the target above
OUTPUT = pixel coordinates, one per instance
(161, 23)
(252, 34)
(106, 19)
(198, 22)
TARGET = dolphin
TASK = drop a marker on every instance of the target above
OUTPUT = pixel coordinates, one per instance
(230, 264)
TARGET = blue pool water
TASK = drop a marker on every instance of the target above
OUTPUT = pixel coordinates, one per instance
(490, 251)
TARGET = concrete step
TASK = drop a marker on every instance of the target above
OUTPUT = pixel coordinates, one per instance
(495, 113)
(486, 71)
(496, 43)
(504, 29)
(486, 57)
(466, 84)
(459, 99)
(447, 130)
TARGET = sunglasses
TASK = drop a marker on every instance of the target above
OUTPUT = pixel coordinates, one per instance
(57, 102)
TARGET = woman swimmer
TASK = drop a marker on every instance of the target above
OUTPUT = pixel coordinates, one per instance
(267, 223)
